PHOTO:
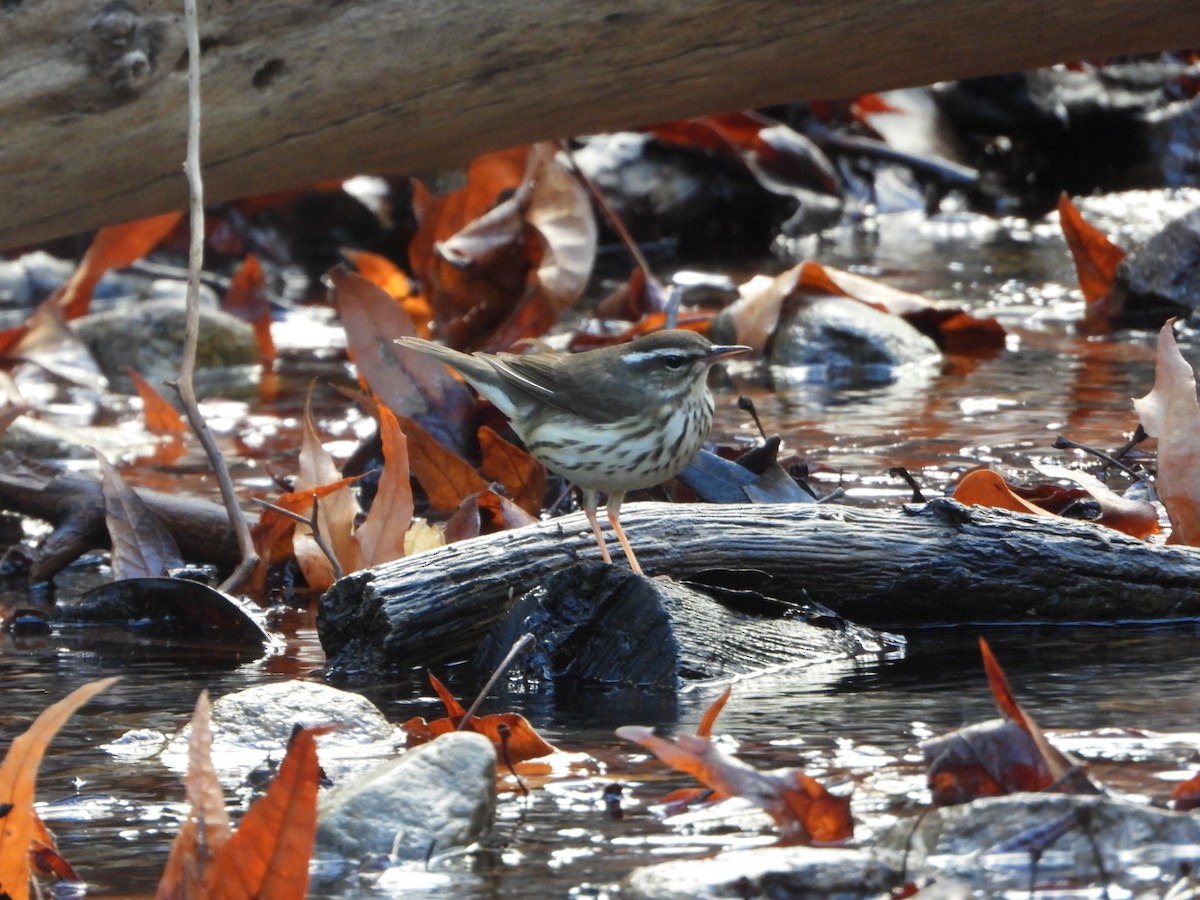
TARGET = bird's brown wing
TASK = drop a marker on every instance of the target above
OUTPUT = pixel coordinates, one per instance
(593, 393)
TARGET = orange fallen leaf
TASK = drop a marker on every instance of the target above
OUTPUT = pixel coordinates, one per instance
(1137, 518)
(207, 827)
(408, 383)
(268, 855)
(159, 416)
(1064, 769)
(522, 475)
(247, 299)
(710, 715)
(514, 738)
(486, 512)
(501, 258)
(446, 478)
(381, 271)
(983, 487)
(380, 537)
(802, 809)
(987, 759)
(1171, 413)
(336, 513)
(20, 826)
(756, 314)
(1096, 259)
(112, 247)
(1186, 795)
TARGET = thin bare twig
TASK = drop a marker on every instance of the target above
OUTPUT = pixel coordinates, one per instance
(519, 646)
(314, 525)
(185, 386)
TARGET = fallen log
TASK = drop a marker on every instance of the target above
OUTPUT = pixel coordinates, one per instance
(92, 95)
(74, 505)
(937, 563)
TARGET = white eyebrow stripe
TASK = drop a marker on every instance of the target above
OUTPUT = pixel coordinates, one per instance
(658, 353)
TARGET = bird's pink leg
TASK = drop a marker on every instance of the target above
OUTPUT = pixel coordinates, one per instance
(614, 506)
(590, 500)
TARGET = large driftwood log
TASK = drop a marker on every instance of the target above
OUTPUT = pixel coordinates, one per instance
(937, 563)
(92, 94)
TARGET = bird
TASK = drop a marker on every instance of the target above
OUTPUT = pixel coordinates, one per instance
(610, 420)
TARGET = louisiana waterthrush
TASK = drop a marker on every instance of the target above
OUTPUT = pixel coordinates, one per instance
(610, 420)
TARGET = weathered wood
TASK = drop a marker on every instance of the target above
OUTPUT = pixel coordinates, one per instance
(940, 563)
(92, 94)
(74, 504)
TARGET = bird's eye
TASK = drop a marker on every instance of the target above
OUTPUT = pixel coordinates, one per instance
(674, 363)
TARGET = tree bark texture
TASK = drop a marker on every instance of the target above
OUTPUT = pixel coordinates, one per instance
(940, 563)
(93, 93)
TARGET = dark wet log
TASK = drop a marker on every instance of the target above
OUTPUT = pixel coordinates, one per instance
(938, 563)
(74, 504)
(598, 624)
(92, 94)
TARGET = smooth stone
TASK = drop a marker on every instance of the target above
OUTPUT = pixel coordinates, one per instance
(435, 797)
(148, 337)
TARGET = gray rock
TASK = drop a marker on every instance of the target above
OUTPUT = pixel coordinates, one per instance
(984, 844)
(831, 874)
(149, 337)
(837, 334)
(252, 726)
(1160, 278)
(436, 797)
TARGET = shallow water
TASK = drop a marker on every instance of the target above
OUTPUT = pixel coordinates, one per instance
(856, 721)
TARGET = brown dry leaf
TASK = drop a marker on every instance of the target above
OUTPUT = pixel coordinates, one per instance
(563, 224)
(247, 299)
(380, 538)
(1096, 259)
(408, 383)
(18, 776)
(267, 857)
(983, 487)
(336, 513)
(485, 513)
(207, 826)
(710, 715)
(446, 478)
(272, 533)
(514, 738)
(1171, 414)
(159, 416)
(505, 463)
(802, 809)
(48, 342)
(112, 247)
(987, 759)
(1066, 771)
(1137, 518)
(381, 271)
(488, 290)
(500, 259)
(141, 546)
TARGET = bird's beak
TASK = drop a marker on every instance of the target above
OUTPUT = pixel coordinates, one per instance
(719, 351)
